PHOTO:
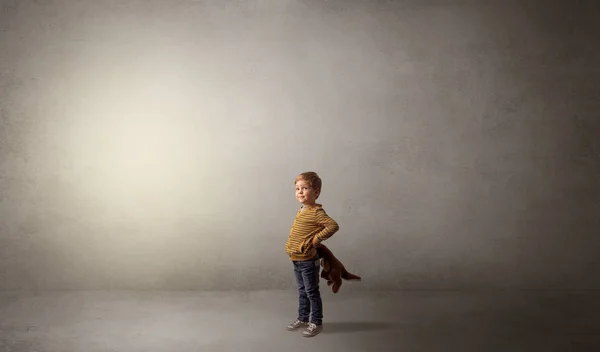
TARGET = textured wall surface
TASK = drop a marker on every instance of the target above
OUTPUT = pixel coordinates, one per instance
(153, 144)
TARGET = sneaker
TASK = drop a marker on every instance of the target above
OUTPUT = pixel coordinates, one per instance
(312, 330)
(297, 324)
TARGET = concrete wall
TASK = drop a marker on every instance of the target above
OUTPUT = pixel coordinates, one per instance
(154, 144)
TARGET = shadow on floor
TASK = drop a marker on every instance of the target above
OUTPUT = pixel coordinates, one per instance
(338, 327)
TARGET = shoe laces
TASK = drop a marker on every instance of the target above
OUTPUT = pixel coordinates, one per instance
(312, 327)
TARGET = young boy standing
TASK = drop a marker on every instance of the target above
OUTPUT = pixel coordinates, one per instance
(311, 226)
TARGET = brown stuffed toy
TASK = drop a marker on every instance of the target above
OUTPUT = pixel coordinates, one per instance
(333, 270)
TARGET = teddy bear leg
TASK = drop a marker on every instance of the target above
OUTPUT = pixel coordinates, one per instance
(351, 277)
(336, 286)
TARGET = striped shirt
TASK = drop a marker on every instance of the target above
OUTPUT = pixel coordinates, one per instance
(311, 223)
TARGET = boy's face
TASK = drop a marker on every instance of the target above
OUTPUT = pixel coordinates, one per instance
(305, 193)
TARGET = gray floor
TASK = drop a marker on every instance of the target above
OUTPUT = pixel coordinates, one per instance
(66, 321)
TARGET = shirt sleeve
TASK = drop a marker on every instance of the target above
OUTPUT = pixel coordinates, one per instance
(330, 225)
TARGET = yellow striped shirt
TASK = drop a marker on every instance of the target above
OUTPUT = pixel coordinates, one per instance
(310, 224)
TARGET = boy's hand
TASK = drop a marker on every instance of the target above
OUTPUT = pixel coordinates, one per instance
(316, 243)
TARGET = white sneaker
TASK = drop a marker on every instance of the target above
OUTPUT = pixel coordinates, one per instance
(296, 324)
(312, 330)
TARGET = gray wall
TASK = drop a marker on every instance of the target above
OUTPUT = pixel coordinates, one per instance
(154, 144)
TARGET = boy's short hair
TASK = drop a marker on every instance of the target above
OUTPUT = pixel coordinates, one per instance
(312, 178)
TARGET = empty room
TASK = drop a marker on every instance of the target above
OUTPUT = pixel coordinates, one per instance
(299, 175)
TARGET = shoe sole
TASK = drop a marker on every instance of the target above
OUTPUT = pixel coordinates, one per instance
(296, 328)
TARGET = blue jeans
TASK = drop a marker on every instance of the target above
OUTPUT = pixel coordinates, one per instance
(309, 297)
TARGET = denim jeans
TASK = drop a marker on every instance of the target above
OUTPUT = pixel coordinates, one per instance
(310, 304)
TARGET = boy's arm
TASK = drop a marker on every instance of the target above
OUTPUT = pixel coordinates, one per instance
(330, 227)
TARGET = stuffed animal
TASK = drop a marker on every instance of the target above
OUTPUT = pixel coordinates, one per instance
(333, 270)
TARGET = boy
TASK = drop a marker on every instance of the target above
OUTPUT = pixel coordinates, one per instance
(311, 226)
